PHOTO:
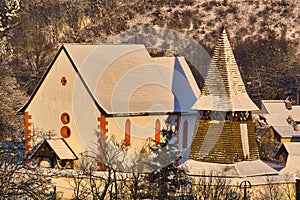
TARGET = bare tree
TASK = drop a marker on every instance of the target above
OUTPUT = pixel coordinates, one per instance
(11, 99)
(31, 41)
(8, 11)
(270, 191)
(18, 180)
(87, 181)
(289, 186)
(214, 186)
(82, 179)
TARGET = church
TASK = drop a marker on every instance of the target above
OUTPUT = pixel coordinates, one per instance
(115, 91)
(91, 93)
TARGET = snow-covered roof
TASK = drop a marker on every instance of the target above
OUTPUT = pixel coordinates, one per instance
(204, 168)
(276, 119)
(292, 165)
(224, 89)
(293, 148)
(61, 149)
(125, 79)
(58, 146)
(276, 112)
(292, 162)
(286, 131)
(238, 169)
(254, 168)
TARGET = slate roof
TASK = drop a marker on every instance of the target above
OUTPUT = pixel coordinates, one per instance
(224, 89)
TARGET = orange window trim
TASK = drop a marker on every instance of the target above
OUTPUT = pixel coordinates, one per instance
(27, 135)
(127, 133)
(103, 130)
(157, 131)
(103, 124)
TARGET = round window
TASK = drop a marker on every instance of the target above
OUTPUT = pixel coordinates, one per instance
(65, 132)
(65, 118)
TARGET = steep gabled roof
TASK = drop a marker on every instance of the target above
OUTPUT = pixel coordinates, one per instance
(59, 147)
(24, 107)
(224, 89)
(125, 79)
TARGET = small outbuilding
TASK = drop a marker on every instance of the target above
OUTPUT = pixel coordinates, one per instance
(54, 153)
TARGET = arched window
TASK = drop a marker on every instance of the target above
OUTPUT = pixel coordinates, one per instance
(185, 134)
(157, 131)
(127, 133)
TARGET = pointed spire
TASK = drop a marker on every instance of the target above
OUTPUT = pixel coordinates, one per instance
(224, 89)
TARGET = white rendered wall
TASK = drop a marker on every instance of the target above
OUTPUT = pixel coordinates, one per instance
(142, 128)
(52, 99)
(191, 119)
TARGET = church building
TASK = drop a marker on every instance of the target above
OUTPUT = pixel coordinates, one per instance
(109, 90)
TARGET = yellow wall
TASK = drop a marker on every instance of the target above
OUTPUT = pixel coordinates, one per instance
(142, 128)
(285, 140)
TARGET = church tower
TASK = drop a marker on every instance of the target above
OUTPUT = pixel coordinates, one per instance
(224, 132)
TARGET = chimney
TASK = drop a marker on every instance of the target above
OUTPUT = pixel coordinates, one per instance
(295, 125)
(288, 103)
(291, 122)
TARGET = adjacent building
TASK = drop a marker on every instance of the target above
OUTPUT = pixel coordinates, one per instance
(224, 139)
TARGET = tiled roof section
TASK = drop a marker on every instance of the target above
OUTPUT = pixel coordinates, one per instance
(221, 142)
(224, 89)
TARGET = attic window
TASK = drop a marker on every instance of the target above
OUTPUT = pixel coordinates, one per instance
(63, 81)
(65, 118)
(65, 132)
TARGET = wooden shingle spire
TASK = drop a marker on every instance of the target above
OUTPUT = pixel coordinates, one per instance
(225, 132)
(224, 89)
